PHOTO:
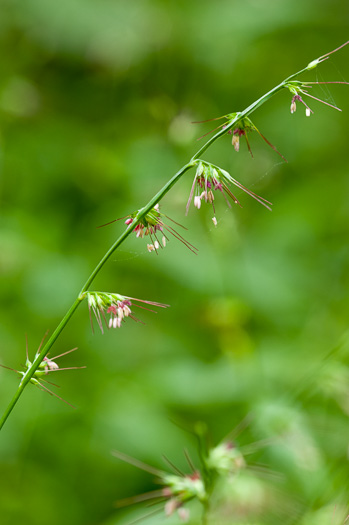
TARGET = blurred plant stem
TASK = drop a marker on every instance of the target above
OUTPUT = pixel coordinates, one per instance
(231, 123)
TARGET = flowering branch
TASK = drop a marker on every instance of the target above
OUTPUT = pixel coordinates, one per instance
(211, 175)
(179, 489)
(118, 306)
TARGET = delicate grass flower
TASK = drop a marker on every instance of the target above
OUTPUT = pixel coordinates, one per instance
(152, 225)
(46, 366)
(50, 365)
(186, 486)
(225, 457)
(241, 128)
(209, 180)
(117, 313)
(296, 87)
(183, 514)
(293, 107)
(118, 306)
(237, 133)
(178, 489)
(182, 489)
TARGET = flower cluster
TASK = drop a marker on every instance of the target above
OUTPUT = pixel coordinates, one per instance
(118, 306)
(293, 107)
(209, 179)
(242, 126)
(296, 87)
(226, 457)
(152, 225)
(46, 366)
(179, 488)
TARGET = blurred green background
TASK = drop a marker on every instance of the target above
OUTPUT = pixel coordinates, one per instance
(96, 105)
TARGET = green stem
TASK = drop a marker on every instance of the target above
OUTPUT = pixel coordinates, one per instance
(205, 512)
(157, 198)
(30, 372)
(36, 363)
(142, 212)
(246, 112)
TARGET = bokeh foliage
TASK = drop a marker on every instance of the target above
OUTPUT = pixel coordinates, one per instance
(96, 104)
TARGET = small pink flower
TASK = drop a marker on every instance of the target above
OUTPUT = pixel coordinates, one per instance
(171, 506)
(197, 201)
(237, 133)
(183, 514)
(50, 365)
(118, 311)
(298, 98)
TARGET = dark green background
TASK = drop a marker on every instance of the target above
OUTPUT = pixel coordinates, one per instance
(96, 104)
